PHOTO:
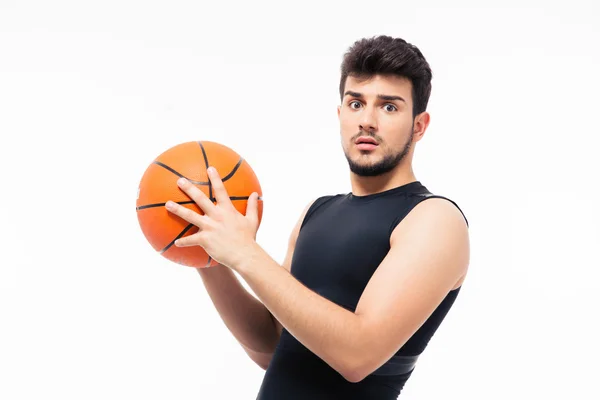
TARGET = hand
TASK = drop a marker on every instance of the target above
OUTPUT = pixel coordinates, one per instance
(224, 233)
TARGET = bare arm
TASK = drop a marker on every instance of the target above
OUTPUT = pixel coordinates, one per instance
(246, 317)
(429, 254)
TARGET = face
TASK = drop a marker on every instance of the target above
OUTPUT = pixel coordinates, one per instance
(376, 124)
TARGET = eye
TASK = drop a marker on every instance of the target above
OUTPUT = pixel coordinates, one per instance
(354, 104)
(390, 107)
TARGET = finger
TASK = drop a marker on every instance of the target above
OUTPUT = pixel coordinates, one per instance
(185, 213)
(252, 208)
(219, 190)
(196, 194)
(188, 241)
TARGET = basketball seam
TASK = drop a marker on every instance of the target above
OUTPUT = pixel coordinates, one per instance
(145, 206)
(208, 183)
(202, 183)
(167, 247)
(210, 196)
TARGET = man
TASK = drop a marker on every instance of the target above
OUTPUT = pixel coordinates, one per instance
(369, 275)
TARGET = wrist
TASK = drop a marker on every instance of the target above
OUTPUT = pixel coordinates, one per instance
(251, 258)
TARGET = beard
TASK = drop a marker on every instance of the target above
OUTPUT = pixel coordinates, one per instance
(388, 163)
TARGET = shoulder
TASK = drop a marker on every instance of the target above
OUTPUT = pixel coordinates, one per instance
(310, 207)
(433, 203)
(433, 218)
(435, 206)
(437, 230)
(318, 203)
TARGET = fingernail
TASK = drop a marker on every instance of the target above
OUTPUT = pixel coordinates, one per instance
(211, 170)
(170, 205)
(181, 181)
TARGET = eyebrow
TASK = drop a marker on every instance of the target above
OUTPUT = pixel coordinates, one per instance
(386, 97)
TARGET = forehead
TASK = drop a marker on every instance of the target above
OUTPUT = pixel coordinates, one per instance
(380, 84)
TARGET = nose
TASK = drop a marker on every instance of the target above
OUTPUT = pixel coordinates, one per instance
(368, 120)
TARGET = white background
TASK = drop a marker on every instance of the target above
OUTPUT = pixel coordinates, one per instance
(92, 92)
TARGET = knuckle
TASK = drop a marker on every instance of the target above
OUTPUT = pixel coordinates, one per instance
(197, 194)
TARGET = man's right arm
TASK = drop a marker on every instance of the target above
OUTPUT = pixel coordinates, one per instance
(246, 317)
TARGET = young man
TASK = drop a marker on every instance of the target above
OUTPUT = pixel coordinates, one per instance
(369, 275)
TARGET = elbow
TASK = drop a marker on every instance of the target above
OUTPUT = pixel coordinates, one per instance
(354, 370)
(360, 368)
(263, 366)
(354, 377)
(357, 362)
(361, 365)
(359, 358)
(261, 359)
(354, 374)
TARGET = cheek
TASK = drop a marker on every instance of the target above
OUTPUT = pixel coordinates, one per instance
(347, 125)
(396, 131)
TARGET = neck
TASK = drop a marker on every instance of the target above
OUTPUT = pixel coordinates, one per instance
(365, 185)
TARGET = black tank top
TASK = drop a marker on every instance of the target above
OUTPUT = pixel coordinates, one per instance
(342, 240)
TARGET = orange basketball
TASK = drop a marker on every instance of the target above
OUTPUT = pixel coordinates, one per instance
(159, 184)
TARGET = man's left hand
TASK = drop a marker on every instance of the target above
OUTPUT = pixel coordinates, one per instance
(224, 233)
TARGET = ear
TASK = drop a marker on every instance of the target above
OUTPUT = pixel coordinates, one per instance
(420, 125)
(339, 109)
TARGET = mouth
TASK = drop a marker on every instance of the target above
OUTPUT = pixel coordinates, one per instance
(365, 140)
(366, 143)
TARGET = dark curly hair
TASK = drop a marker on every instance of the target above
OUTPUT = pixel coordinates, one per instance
(385, 55)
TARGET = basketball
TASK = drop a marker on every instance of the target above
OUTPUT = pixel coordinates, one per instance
(159, 184)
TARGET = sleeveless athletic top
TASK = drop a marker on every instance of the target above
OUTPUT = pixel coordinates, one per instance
(342, 240)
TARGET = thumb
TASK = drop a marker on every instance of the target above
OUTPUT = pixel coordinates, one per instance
(252, 209)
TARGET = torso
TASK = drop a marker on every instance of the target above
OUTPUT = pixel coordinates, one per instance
(341, 242)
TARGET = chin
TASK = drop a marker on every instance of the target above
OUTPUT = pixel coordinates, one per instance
(367, 157)
(366, 160)
(369, 164)
(362, 167)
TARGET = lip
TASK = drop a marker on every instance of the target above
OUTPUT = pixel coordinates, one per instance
(366, 146)
(366, 140)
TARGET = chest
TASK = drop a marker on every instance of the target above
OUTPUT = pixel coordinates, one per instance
(338, 251)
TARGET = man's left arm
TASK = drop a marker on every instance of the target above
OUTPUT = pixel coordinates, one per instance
(429, 254)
